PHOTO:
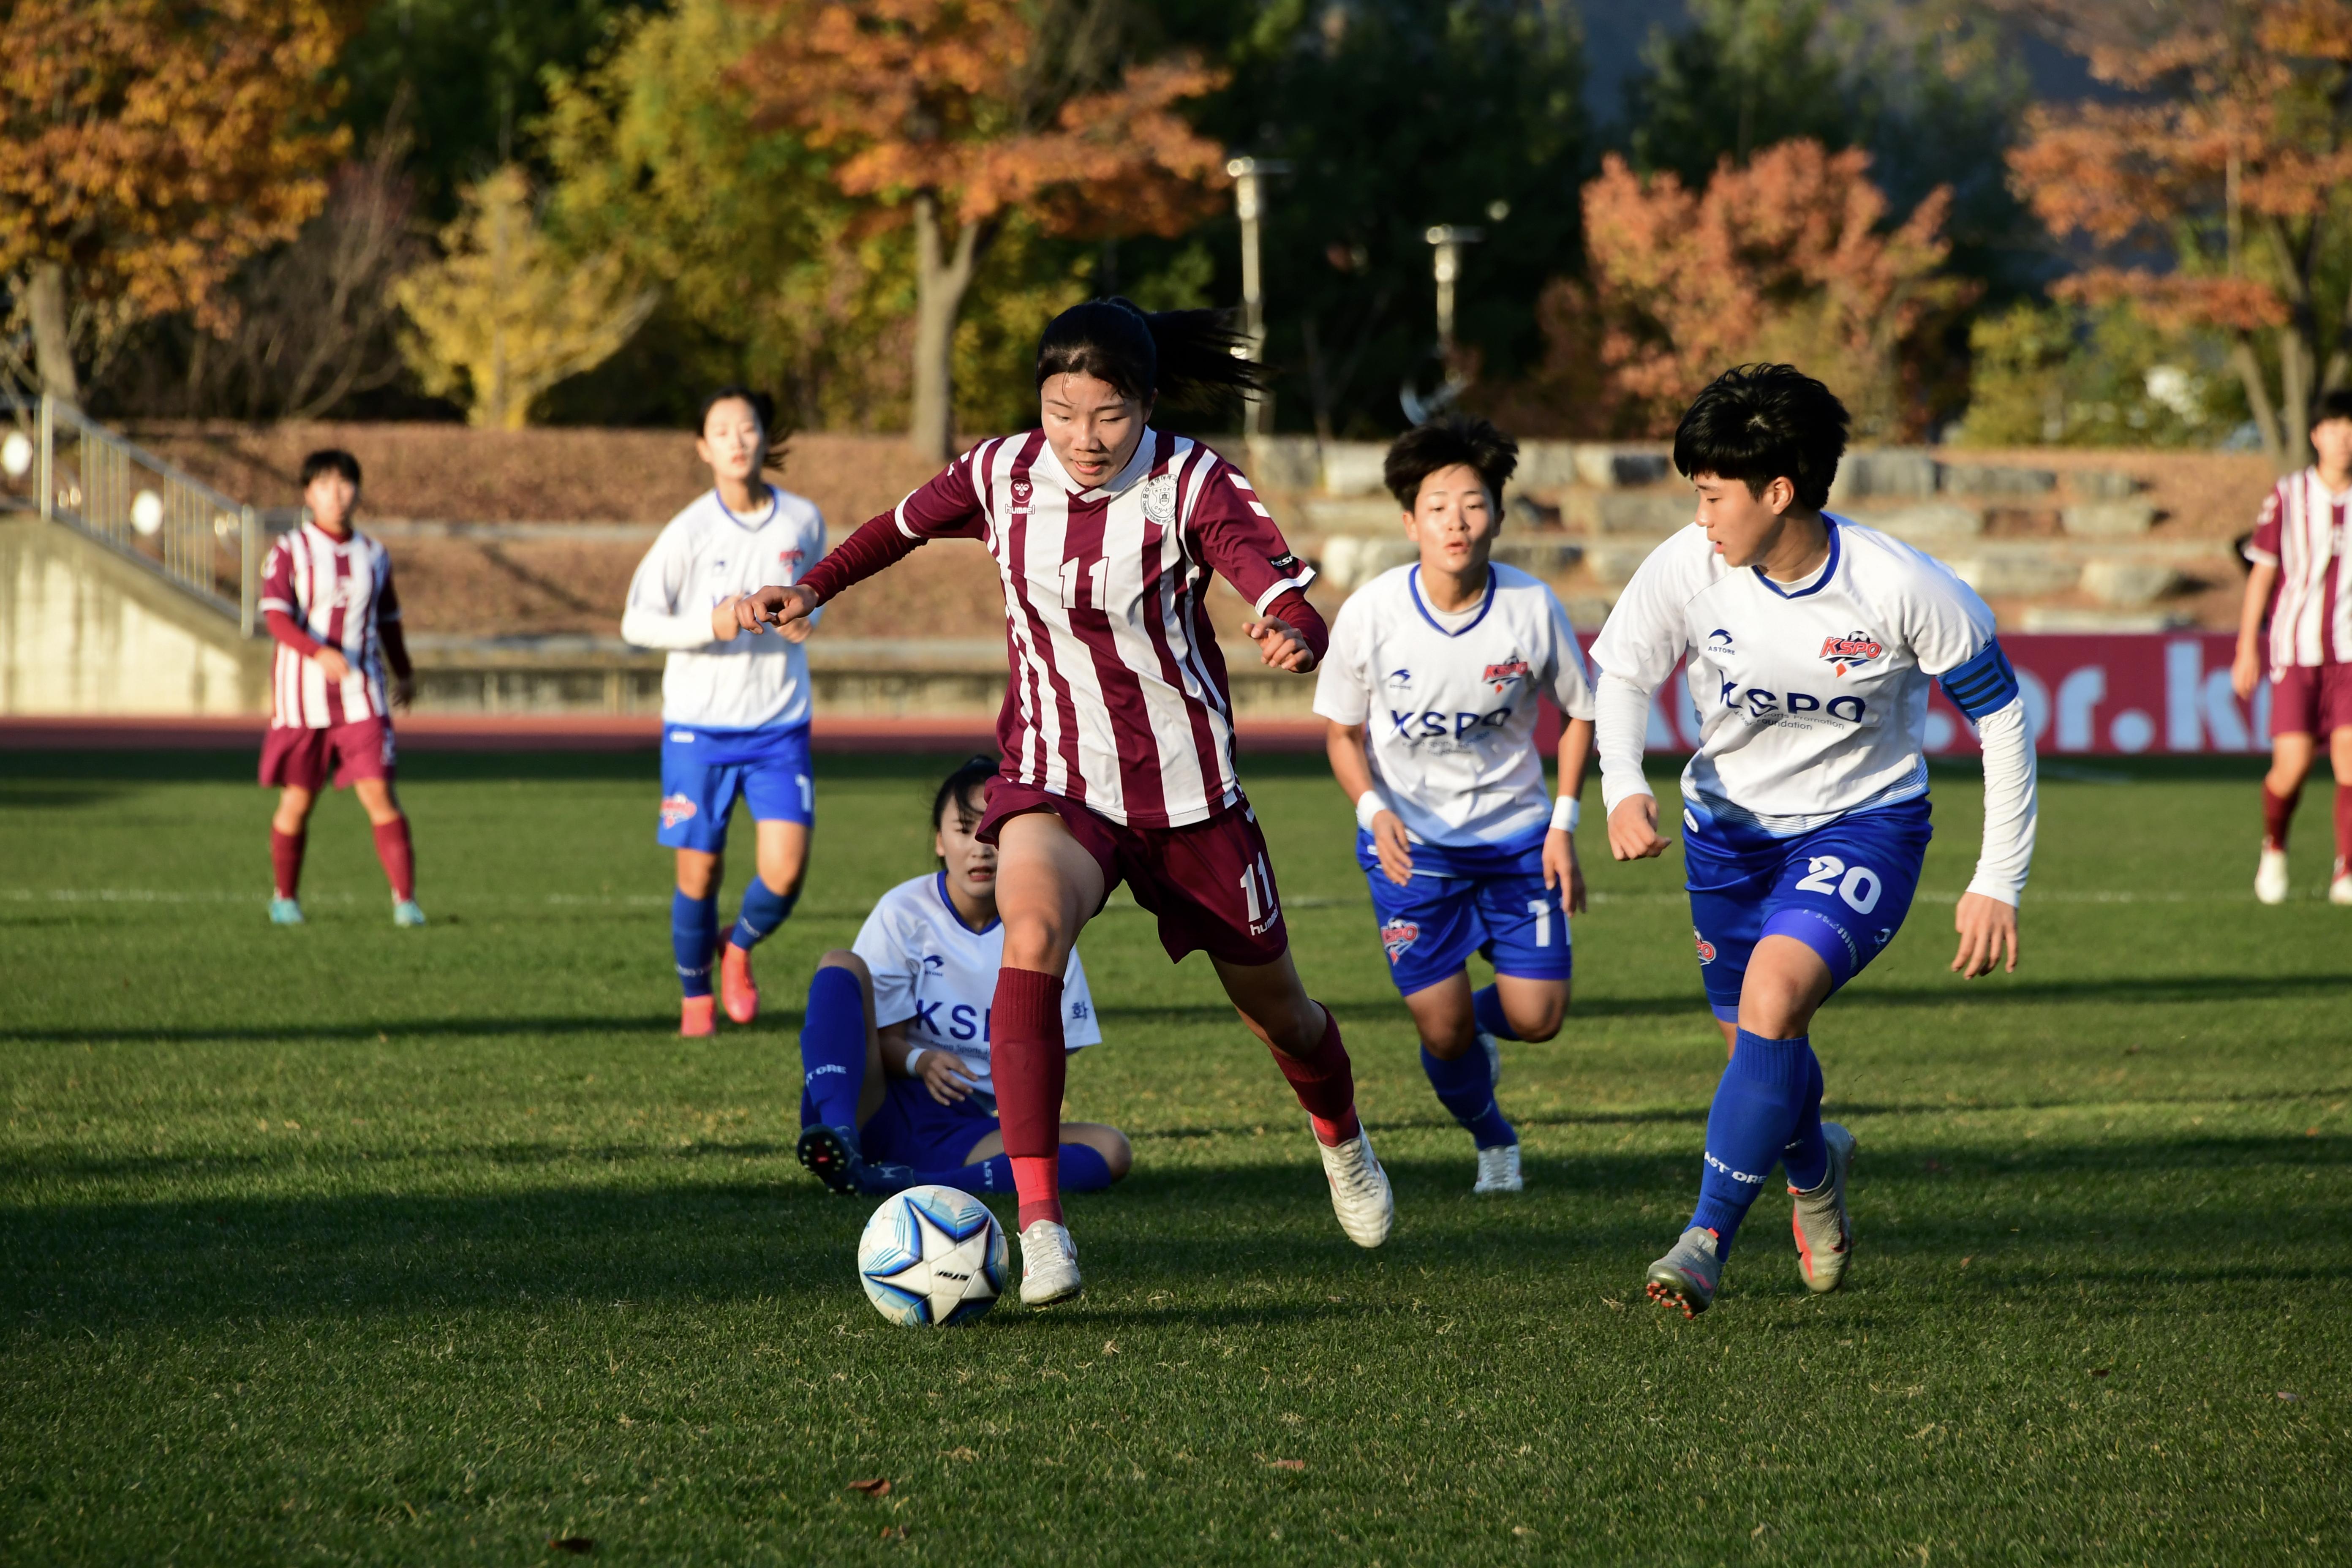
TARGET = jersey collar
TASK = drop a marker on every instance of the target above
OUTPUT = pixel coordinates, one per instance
(329, 540)
(939, 886)
(1413, 585)
(749, 525)
(1820, 578)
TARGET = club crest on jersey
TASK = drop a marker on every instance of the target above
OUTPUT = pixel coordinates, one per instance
(1854, 648)
(792, 557)
(1499, 676)
(1159, 499)
(1706, 948)
(675, 809)
(1397, 937)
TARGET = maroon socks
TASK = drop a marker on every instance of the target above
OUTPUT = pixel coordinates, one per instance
(2278, 810)
(286, 862)
(398, 855)
(1031, 1068)
(1325, 1083)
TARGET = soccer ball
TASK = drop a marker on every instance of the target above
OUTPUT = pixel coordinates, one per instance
(932, 1255)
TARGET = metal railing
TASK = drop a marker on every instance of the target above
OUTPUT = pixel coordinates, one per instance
(145, 510)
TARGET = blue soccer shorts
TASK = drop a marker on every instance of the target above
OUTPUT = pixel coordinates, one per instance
(910, 1128)
(1841, 890)
(704, 770)
(1431, 926)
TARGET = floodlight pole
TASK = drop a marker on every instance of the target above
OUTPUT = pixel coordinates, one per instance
(1446, 241)
(1249, 203)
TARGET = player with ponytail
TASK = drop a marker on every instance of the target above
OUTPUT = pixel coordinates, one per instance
(1118, 726)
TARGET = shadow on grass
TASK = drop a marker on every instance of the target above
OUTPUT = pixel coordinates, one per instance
(1213, 1230)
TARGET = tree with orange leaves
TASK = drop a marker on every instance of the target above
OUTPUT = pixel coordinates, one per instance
(953, 111)
(2234, 164)
(147, 148)
(1786, 260)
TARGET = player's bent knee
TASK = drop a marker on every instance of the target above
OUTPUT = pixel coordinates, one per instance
(842, 958)
(1117, 1153)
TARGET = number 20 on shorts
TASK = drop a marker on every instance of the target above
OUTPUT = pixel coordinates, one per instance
(1828, 875)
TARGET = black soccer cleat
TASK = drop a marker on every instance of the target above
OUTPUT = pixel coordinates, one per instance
(832, 1157)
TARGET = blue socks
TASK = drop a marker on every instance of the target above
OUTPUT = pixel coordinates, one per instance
(1084, 1170)
(1465, 1086)
(1487, 1006)
(764, 910)
(693, 934)
(832, 1046)
(1767, 1112)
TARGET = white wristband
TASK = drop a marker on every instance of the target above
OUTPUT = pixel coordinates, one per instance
(913, 1055)
(1369, 804)
(1566, 813)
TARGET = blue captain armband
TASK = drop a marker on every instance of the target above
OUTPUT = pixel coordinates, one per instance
(1985, 684)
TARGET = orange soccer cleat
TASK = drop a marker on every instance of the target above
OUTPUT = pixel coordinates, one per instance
(736, 987)
(697, 1018)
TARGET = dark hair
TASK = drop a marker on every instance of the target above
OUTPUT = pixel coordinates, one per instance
(1441, 444)
(971, 777)
(1758, 423)
(2336, 403)
(763, 407)
(331, 458)
(1176, 356)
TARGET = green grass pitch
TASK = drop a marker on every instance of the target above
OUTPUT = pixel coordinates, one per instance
(349, 1243)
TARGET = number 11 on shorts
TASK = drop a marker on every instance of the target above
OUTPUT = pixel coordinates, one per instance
(1257, 891)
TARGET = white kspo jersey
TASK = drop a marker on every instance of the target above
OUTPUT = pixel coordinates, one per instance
(937, 976)
(705, 555)
(1448, 702)
(1812, 696)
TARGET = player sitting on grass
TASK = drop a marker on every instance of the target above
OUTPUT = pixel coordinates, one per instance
(1809, 642)
(895, 1051)
(327, 598)
(2299, 553)
(1117, 728)
(735, 709)
(1430, 689)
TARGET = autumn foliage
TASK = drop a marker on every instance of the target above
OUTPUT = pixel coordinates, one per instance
(1790, 259)
(148, 147)
(2231, 164)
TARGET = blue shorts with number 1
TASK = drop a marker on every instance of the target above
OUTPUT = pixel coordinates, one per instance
(1841, 890)
(704, 770)
(1490, 900)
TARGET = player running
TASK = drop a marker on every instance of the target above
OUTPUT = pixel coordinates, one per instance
(328, 600)
(1118, 729)
(1430, 689)
(2299, 551)
(894, 1054)
(1809, 642)
(735, 709)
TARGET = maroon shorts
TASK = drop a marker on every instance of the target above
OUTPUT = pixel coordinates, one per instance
(1210, 884)
(303, 757)
(2311, 700)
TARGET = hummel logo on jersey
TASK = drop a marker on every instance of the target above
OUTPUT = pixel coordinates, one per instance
(1499, 676)
(675, 809)
(1021, 492)
(1855, 647)
(1397, 937)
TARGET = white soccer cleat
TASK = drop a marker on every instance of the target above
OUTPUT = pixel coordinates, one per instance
(1359, 1190)
(2340, 891)
(1049, 1265)
(2270, 877)
(1498, 1169)
(1823, 1228)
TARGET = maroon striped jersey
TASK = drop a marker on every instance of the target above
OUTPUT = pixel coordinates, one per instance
(1117, 696)
(340, 590)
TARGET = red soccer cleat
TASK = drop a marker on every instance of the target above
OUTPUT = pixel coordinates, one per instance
(697, 1019)
(736, 987)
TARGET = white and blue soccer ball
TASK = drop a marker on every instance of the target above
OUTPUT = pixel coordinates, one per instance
(932, 1256)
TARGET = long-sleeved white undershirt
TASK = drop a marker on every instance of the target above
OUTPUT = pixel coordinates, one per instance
(1621, 717)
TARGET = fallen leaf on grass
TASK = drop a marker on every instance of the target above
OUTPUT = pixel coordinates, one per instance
(878, 1487)
(1965, 1261)
(894, 1533)
(1110, 1347)
(2290, 1398)
(1757, 1532)
(578, 1545)
(1283, 1464)
(1613, 1306)
(1521, 1530)
(958, 1454)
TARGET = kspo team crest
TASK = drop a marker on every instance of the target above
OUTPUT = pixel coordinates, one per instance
(1706, 948)
(1856, 648)
(675, 809)
(1397, 937)
(1499, 676)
